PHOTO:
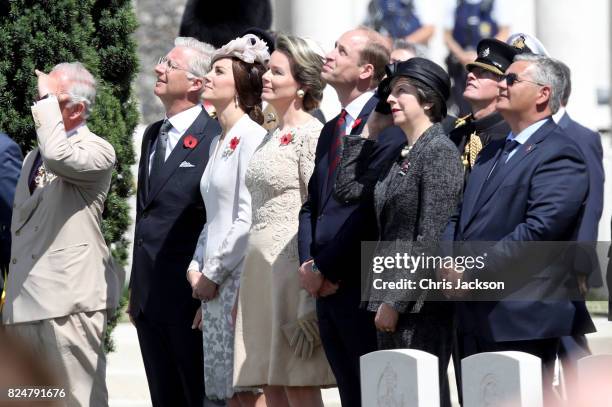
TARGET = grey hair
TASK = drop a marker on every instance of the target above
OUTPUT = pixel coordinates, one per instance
(546, 71)
(416, 49)
(81, 84)
(199, 65)
(567, 82)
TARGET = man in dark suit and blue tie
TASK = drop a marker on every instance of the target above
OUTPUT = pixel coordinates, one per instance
(586, 263)
(330, 231)
(589, 143)
(170, 215)
(10, 167)
(530, 187)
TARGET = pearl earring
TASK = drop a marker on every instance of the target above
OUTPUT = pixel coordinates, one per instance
(300, 93)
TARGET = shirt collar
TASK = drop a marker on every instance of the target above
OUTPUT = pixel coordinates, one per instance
(356, 106)
(524, 135)
(181, 121)
(557, 116)
(75, 130)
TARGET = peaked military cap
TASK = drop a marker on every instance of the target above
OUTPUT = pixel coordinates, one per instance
(526, 43)
(494, 55)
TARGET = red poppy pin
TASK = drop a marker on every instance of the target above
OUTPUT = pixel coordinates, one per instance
(190, 141)
(231, 147)
(286, 139)
(234, 143)
(357, 122)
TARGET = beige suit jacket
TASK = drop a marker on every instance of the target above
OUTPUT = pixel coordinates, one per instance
(60, 263)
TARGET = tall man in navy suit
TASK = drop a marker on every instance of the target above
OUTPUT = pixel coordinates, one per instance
(589, 143)
(10, 167)
(330, 231)
(530, 187)
(586, 264)
(170, 215)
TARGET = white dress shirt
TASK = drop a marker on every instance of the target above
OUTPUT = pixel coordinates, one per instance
(180, 123)
(354, 108)
(524, 135)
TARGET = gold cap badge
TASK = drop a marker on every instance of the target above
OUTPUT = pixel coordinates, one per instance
(519, 42)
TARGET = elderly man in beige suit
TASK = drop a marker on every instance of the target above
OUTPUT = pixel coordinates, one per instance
(62, 281)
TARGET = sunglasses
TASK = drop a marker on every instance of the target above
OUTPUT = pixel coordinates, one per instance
(513, 78)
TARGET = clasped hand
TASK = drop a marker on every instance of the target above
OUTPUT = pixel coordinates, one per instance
(202, 287)
(314, 283)
(453, 276)
(386, 318)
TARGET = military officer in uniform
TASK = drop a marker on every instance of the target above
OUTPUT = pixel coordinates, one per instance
(466, 23)
(474, 131)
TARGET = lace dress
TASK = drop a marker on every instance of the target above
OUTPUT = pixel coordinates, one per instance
(270, 296)
(221, 247)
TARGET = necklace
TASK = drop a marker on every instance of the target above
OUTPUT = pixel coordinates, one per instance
(406, 151)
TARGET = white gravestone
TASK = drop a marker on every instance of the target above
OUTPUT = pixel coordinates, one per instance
(594, 380)
(399, 378)
(500, 379)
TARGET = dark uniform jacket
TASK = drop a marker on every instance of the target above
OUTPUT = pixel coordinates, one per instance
(489, 128)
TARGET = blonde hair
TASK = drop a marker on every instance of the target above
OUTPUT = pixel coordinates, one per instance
(306, 65)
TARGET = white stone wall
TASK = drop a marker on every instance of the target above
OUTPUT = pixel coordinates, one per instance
(159, 22)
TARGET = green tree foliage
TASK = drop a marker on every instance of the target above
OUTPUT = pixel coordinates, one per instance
(42, 33)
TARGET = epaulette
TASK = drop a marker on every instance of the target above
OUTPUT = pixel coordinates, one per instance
(461, 121)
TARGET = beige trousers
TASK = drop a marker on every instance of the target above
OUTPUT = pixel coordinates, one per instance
(72, 347)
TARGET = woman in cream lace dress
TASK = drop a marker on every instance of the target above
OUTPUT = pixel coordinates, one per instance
(233, 87)
(277, 345)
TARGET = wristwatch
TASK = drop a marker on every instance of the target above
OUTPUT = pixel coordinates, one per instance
(315, 269)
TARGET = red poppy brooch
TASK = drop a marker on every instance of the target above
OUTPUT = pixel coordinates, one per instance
(190, 141)
(287, 138)
(231, 147)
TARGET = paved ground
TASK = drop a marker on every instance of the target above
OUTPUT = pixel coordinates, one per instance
(127, 384)
(126, 380)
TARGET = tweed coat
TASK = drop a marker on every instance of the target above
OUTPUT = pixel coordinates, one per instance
(414, 197)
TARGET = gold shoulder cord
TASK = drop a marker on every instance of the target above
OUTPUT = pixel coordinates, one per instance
(460, 121)
(3, 294)
(472, 148)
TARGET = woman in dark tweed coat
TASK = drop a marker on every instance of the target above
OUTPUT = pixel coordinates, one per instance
(414, 196)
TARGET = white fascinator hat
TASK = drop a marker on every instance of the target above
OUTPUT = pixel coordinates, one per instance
(248, 48)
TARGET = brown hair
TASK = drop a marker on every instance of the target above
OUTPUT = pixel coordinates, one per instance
(375, 52)
(306, 66)
(425, 95)
(247, 78)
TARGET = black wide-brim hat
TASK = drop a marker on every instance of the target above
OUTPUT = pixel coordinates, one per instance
(423, 70)
(494, 56)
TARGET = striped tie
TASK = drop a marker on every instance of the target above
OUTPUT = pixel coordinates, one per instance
(334, 152)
